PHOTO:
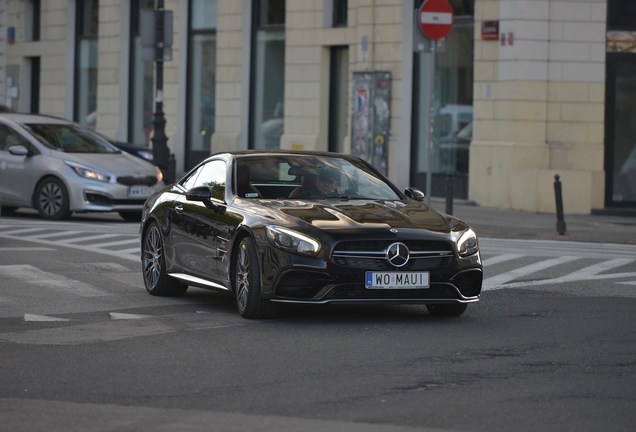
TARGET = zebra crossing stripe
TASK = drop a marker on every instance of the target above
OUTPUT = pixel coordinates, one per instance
(116, 243)
(33, 275)
(499, 259)
(496, 282)
(21, 231)
(54, 234)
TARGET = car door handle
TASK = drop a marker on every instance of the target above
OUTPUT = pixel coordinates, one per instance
(179, 209)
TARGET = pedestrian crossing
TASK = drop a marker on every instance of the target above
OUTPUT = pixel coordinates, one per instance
(508, 263)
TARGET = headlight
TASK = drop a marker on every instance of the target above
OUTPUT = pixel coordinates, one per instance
(88, 173)
(467, 244)
(159, 174)
(292, 241)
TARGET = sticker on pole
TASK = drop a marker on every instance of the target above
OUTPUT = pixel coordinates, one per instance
(435, 18)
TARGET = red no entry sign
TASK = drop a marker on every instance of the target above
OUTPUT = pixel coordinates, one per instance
(435, 18)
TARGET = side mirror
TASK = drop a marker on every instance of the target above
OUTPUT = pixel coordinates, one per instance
(199, 193)
(414, 193)
(19, 150)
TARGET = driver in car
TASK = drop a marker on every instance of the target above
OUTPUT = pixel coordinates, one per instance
(325, 185)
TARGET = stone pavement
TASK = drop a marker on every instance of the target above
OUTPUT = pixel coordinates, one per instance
(491, 222)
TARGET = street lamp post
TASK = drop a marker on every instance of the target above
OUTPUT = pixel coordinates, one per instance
(160, 151)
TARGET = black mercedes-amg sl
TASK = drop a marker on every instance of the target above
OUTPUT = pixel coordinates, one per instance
(313, 227)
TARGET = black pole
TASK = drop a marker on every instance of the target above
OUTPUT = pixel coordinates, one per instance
(450, 191)
(558, 195)
(160, 151)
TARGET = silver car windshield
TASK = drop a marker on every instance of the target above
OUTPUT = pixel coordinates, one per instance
(70, 138)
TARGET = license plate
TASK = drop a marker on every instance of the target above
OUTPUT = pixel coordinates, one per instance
(140, 191)
(397, 280)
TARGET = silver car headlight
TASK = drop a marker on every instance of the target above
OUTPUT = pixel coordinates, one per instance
(87, 172)
(159, 174)
(292, 241)
(467, 244)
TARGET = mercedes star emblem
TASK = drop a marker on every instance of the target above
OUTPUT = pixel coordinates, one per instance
(398, 254)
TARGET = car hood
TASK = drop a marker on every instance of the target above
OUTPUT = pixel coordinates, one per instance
(112, 163)
(337, 215)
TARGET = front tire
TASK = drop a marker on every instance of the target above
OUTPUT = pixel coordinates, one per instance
(247, 283)
(153, 262)
(51, 199)
(455, 309)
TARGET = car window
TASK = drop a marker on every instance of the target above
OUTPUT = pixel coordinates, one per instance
(70, 138)
(213, 175)
(10, 137)
(189, 181)
(294, 176)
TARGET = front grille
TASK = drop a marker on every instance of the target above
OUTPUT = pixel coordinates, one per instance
(371, 255)
(358, 291)
(135, 181)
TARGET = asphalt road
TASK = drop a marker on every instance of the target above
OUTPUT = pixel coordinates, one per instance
(83, 347)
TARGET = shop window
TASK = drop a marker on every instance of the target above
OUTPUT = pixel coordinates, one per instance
(86, 63)
(268, 74)
(141, 84)
(453, 107)
(201, 80)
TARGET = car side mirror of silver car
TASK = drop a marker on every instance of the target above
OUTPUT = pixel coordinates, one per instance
(414, 193)
(19, 150)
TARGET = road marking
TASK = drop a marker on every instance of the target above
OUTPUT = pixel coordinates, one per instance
(496, 282)
(95, 237)
(19, 249)
(21, 231)
(42, 318)
(125, 316)
(499, 259)
(35, 276)
(55, 234)
(116, 243)
(628, 283)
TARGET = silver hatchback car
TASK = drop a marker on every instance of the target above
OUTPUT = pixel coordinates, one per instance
(58, 167)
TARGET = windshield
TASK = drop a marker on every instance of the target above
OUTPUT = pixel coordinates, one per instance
(309, 177)
(70, 138)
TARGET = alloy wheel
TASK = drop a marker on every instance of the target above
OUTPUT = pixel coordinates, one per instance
(51, 198)
(152, 256)
(242, 277)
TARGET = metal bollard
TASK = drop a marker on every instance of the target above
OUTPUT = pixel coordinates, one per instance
(450, 190)
(560, 225)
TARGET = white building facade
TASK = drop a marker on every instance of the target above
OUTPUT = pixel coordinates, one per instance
(523, 89)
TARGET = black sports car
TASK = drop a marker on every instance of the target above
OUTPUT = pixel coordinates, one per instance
(283, 226)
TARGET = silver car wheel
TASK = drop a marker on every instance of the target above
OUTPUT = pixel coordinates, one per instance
(242, 277)
(152, 257)
(51, 199)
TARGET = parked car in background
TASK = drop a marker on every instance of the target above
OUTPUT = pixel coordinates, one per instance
(305, 227)
(134, 149)
(58, 167)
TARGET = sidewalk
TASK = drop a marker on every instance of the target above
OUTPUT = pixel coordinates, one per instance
(491, 222)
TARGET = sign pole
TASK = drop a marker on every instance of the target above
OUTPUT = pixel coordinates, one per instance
(429, 146)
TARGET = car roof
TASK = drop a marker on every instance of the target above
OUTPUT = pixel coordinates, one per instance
(33, 118)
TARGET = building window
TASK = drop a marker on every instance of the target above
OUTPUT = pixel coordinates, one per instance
(268, 74)
(339, 13)
(141, 80)
(86, 63)
(201, 80)
(621, 15)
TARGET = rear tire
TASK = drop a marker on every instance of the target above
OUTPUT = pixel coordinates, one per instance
(455, 309)
(247, 283)
(153, 264)
(51, 199)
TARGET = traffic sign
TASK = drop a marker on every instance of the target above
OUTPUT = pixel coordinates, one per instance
(435, 18)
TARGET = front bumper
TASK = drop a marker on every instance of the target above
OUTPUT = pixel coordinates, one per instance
(107, 197)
